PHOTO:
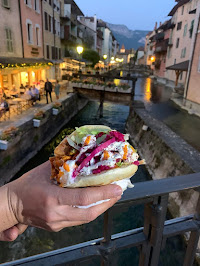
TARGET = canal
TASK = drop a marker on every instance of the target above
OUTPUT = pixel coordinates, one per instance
(156, 98)
(35, 241)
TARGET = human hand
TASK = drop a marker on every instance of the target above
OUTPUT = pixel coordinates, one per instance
(36, 201)
(12, 233)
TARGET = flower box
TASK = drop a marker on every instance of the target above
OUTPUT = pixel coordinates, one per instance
(36, 122)
(98, 87)
(3, 145)
(55, 111)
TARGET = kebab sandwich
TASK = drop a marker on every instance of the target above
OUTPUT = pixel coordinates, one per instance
(94, 155)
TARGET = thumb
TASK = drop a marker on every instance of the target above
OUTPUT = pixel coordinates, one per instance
(12, 233)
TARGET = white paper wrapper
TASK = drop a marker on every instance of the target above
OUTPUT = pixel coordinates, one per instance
(124, 184)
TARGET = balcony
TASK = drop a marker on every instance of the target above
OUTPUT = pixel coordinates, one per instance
(67, 15)
(150, 239)
(161, 47)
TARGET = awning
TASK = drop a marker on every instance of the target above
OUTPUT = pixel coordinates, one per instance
(181, 66)
(20, 60)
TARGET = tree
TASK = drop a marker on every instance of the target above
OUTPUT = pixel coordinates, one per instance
(92, 56)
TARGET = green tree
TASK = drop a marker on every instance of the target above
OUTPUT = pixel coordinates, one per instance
(92, 56)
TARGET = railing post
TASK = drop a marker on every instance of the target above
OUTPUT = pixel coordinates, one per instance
(193, 240)
(106, 245)
(154, 216)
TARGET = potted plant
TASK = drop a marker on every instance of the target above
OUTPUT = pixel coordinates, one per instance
(56, 108)
(37, 118)
(110, 86)
(6, 136)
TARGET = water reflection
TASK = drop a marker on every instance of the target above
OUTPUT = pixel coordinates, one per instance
(148, 90)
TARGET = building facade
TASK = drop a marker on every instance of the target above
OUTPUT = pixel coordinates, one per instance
(178, 54)
(51, 10)
(22, 60)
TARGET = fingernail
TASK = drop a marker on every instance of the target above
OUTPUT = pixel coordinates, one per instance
(118, 191)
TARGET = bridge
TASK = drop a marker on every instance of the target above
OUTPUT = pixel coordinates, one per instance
(149, 239)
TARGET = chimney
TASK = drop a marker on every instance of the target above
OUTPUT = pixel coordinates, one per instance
(156, 24)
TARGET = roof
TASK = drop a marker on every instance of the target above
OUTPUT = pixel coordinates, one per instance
(175, 8)
(20, 60)
(180, 66)
(101, 23)
(123, 47)
(74, 8)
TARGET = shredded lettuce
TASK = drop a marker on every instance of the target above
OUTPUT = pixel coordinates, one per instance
(83, 131)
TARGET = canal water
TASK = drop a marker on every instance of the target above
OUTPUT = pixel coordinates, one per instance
(156, 98)
(35, 241)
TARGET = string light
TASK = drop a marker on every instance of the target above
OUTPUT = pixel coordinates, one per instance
(24, 65)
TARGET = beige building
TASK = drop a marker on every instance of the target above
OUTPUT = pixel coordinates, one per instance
(192, 91)
(51, 34)
(178, 54)
(11, 42)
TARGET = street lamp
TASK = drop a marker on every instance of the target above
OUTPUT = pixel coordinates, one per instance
(105, 56)
(79, 50)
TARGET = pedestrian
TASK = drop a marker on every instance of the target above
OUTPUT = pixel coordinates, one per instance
(57, 89)
(48, 89)
(34, 200)
(35, 93)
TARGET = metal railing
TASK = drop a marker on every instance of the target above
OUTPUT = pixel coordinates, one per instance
(150, 239)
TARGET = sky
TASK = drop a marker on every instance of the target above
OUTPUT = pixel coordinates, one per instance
(135, 14)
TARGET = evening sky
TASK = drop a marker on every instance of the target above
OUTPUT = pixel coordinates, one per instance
(135, 14)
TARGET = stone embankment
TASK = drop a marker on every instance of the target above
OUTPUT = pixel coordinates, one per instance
(30, 139)
(166, 155)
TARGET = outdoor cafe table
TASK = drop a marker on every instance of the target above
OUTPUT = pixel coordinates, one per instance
(18, 103)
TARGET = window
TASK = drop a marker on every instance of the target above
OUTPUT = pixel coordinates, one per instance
(177, 42)
(37, 31)
(47, 51)
(191, 28)
(59, 53)
(50, 23)
(9, 40)
(174, 61)
(181, 75)
(29, 32)
(46, 20)
(37, 6)
(53, 52)
(54, 26)
(28, 3)
(183, 52)
(185, 30)
(179, 25)
(50, 2)
(6, 3)
(58, 28)
(182, 10)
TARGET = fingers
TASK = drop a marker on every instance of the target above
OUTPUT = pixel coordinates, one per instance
(82, 216)
(12, 233)
(86, 196)
(21, 228)
(9, 235)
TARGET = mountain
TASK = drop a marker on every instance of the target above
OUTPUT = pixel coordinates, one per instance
(130, 38)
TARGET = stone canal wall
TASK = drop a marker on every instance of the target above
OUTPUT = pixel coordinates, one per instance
(166, 155)
(30, 140)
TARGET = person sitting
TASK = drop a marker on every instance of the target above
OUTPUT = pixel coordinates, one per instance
(29, 92)
(36, 93)
(4, 107)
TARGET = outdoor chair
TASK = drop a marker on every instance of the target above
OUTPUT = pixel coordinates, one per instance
(6, 115)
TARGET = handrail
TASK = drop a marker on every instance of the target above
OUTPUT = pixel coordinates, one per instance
(150, 238)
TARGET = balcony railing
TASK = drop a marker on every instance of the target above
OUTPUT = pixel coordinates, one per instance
(151, 238)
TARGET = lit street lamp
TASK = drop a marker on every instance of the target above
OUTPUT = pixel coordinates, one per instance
(79, 50)
(105, 57)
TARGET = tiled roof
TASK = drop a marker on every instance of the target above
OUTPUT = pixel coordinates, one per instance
(180, 66)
